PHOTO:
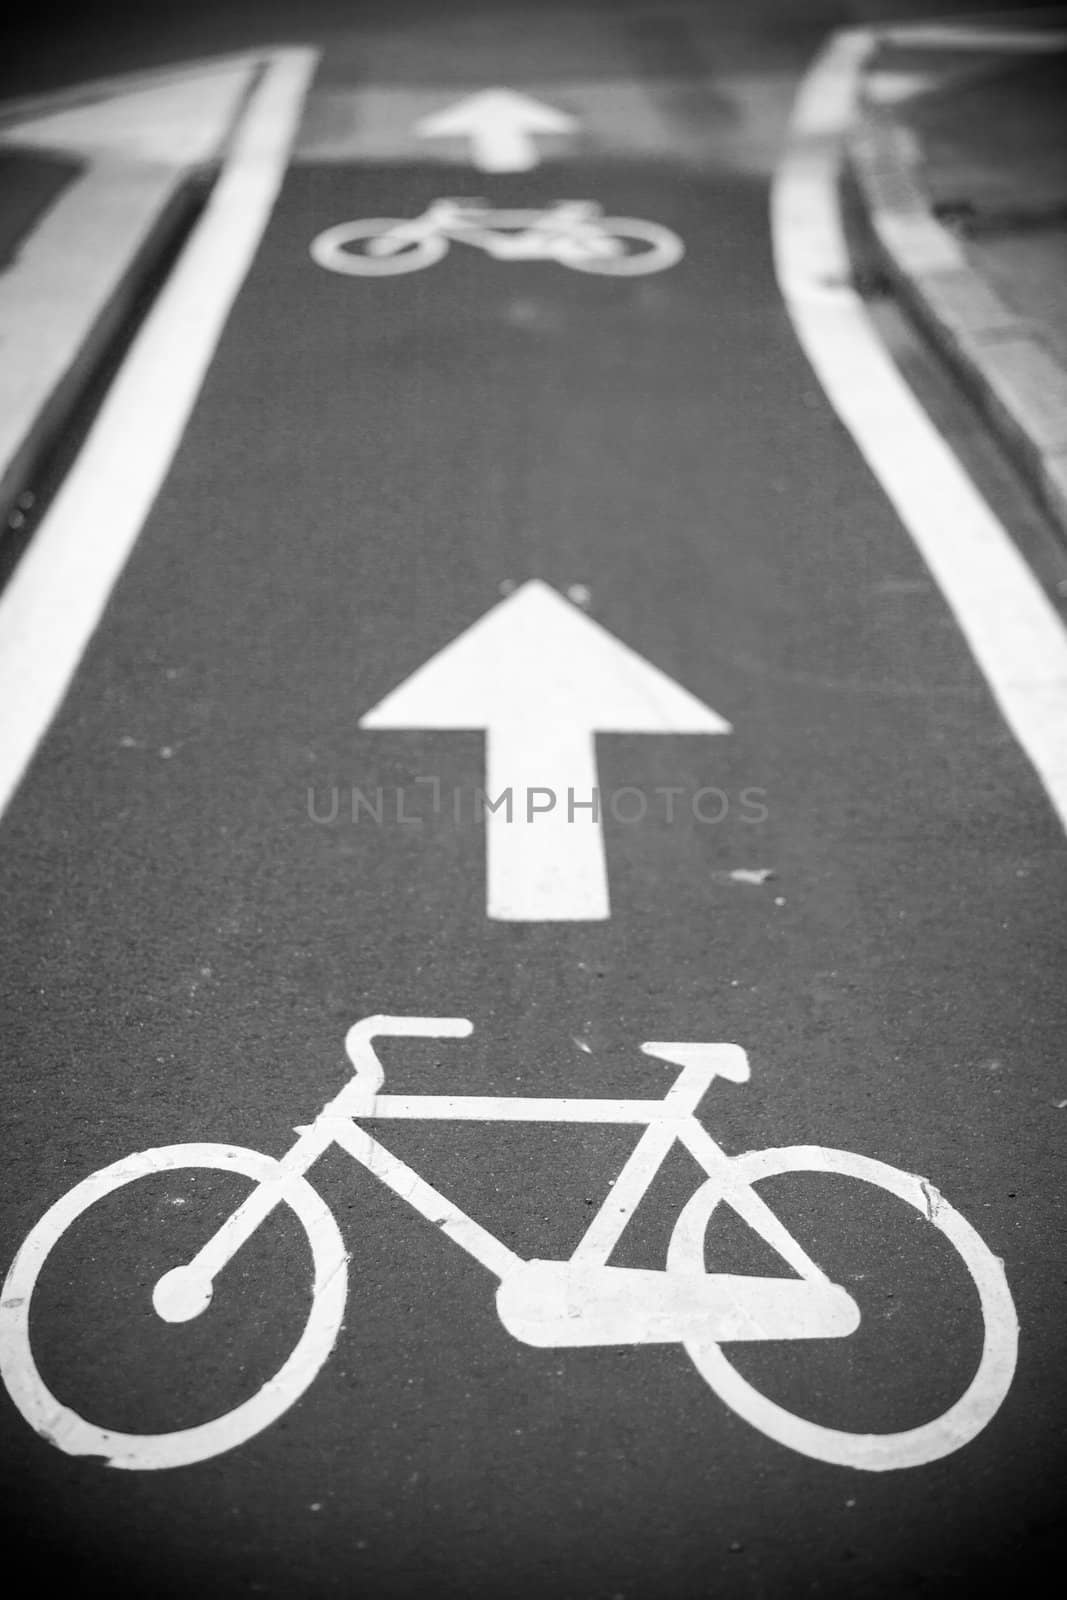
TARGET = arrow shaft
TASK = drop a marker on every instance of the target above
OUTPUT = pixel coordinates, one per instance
(502, 147)
(547, 863)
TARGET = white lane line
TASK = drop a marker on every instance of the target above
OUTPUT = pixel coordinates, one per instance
(969, 36)
(1015, 635)
(58, 592)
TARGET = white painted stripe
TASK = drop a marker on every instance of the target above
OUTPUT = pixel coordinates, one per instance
(57, 595)
(1013, 631)
(968, 36)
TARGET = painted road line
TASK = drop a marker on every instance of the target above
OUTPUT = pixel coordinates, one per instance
(971, 36)
(1013, 632)
(542, 679)
(76, 272)
(57, 595)
(498, 126)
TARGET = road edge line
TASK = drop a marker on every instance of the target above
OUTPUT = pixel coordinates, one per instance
(1014, 633)
(60, 588)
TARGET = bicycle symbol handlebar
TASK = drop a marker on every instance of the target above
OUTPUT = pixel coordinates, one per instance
(359, 1040)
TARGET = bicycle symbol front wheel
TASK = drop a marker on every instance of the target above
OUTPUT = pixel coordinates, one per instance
(372, 247)
(621, 247)
(871, 1452)
(76, 1435)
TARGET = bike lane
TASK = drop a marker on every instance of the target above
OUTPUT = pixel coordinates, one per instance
(864, 900)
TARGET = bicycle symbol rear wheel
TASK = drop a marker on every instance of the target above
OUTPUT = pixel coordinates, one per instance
(370, 248)
(870, 1452)
(73, 1434)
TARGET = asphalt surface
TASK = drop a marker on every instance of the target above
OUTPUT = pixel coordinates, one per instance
(372, 465)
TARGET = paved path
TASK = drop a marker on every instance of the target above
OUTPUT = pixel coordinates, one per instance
(860, 884)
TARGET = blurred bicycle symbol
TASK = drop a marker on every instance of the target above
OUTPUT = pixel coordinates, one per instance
(575, 233)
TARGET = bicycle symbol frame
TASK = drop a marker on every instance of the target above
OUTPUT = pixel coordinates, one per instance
(581, 1300)
(574, 233)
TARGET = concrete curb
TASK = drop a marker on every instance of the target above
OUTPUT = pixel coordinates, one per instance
(78, 343)
(998, 355)
(80, 276)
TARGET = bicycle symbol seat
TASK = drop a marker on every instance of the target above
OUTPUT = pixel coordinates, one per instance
(580, 1300)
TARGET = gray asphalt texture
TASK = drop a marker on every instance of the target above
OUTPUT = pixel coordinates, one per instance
(184, 946)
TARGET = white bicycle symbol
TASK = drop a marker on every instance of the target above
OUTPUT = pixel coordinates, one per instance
(573, 232)
(578, 1301)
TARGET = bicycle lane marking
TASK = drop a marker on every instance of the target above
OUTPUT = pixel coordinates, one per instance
(1016, 637)
(573, 233)
(562, 1303)
(59, 590)
(354, 959)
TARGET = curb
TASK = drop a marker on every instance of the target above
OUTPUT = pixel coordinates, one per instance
(90, 334)
(997, 354)
(80, 279)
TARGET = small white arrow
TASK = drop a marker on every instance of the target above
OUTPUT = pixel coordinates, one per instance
(541, 678)
(499, 124)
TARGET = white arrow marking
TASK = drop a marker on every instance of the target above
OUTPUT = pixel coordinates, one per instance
(542, 679)
(499, 124)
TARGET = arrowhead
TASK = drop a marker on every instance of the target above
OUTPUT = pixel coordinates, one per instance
(491, 109)
(537, 659)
